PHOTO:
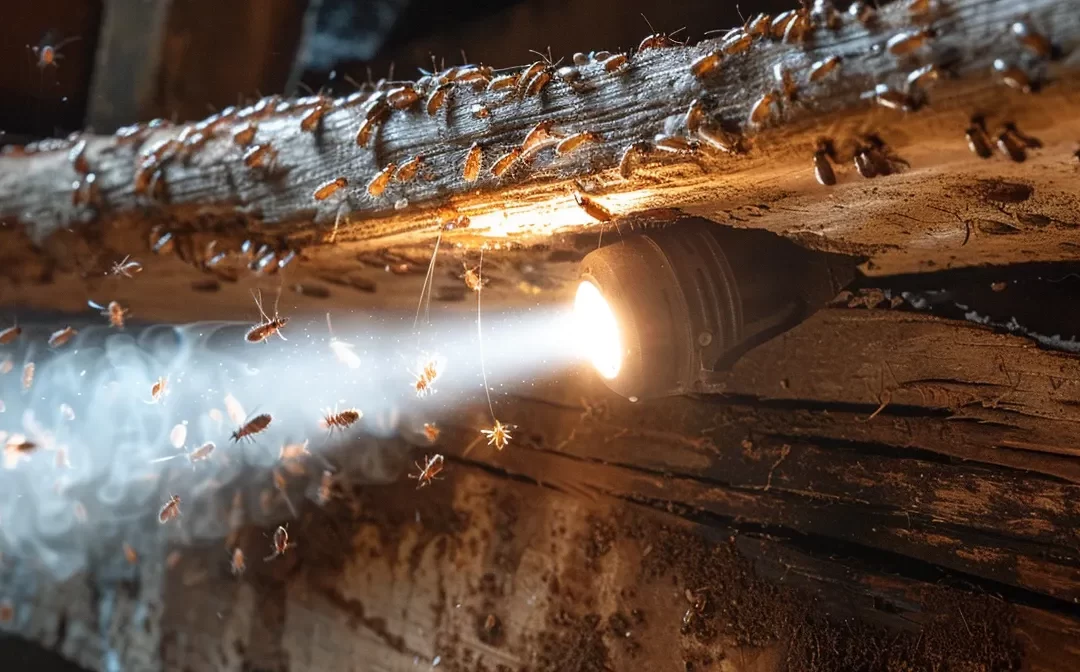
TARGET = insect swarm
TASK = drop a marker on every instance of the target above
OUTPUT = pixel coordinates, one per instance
(170, 510)
(252, 427)
(328, 189)
(428, 471)
(268, 327)
(280, 543)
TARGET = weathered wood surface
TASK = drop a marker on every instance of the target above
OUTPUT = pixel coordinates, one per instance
(822, 535)
(966, 205)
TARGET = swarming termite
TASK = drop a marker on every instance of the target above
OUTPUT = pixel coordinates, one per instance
(503, 82)
(403, 97)
(10, 334)
(28, 375)
(48, 54)
(921, 77)
(613, 63)
(281, 543)
(326, 487)
(473, 159)
(631, 157)
(503, 163)
(114, 311)
(410, 168)
(237, 563)
(428, 470)
(436, 98)
(572, 142)
(246, 135)
(657, 40)
(269, 326)
(472, 279)
(259, 156)
(170, 510)
(251, 427)
(707, 64)
(159, 389)
(823, 68)
(978, 141)
(378, 184)
(823, 170)
(62, 336)
(202, 453)
(328, 189)
(761, 111)
(498, 435)
(1011, 146)
(1033, 41)
(906, 43)
(77, 157)
(431, 432)
(780, 24)
(737, 42)
(332, 420)
(311, 120)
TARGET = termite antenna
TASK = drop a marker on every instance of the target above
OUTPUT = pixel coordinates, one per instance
(303, 85)
(649, 23)
(480, 333)
(353, 82)
(740, 13)
(464, 58)
(428, 286)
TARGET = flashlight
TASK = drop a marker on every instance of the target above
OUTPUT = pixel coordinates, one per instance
(665, 312)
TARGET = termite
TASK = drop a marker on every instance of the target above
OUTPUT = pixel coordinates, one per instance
(378, 184)
(48, 54)
(761, 110)
(18, 443)
(472, 279)
(431, 432)
(592, 208)
(202, 453)
(863, 12)
(328, 189)
(130, 555)
(326, 485)
(823, 170)
(526, 76)
(259, 156)
(422, 386)
(904, 44)
(798, 28)
(436, 98)
(978, 142)
(28, 375)
(503, 163)
(428, 471)
(252, 427)
(615, 62)
(780, 24)
(572, 142)
(719, 139)
(473, 158)
(736, 42)
(503, 82)
(159, 389)
(62, 336)
(1013, 76)
(269, 326)
(77, 157)
(824, 13)
(1011, 146)
(246, 135)
(786, 80)
(281, 543)
(539, 136)
(170, 510)
(403, 97)
(10, 334)
(332, 420)
(758, 25)
(921, 77)
(864, 163)
(410, 168)
(498, 435)
(825, 67)
(237, 563)
(1035, 42)
(893, 99)
(706, 65)
(293, 451)
(311, 120)
(114, 311)
(631, 157)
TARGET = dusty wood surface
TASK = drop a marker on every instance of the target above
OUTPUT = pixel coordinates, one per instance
(822, 536)
(970, 211)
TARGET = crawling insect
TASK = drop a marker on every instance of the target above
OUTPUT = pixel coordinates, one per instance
(311, 120)
(906, 43)
(268, 327)
(10, 334)
(28, 376)
(403, 97)
(538, 136)
(572, 142)
(428, 471)
(334, 420)
(114, 311)
(170, 510)
(246, 135)
(202, 453)
(613, 63)
(260, 156)
(472, 278)
(823, 170)
(254, 426)
(62, 336)
(504, 162)
(592, 208)
(431, 432)
(410, 168)
(77, 157)
(978, 141)
(237, 564)
(1012, 146)
(437, 97)
(658, 40)
(281, 543)
(632, 157)
(823, 68)
(498, 435)
(780, 24)
(503, 82)
(674, 144)
(473, 158)
(761, 111)
(159, 389)
(737, 42)
(328, 189)
(48, 54)
(717, 138)
(707, 64)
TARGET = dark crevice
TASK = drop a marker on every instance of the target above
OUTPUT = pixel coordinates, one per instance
(897, 410)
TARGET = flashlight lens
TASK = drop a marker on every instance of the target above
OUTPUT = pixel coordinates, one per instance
(598, 331)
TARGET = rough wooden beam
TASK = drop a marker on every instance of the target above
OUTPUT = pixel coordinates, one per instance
(966, 204)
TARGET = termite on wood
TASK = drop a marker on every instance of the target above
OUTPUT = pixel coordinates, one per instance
(592, 208)
(572, 142)
(473, 158)
(378, 184)
(410, 168)
(328, 189)
(504, 162)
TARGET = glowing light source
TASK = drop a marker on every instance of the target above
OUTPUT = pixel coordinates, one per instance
(598, 330)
